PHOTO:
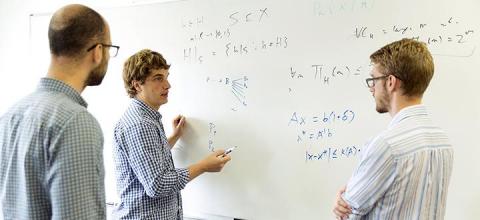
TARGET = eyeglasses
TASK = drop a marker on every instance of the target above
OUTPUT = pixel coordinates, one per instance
(113, 50)
(371, 81)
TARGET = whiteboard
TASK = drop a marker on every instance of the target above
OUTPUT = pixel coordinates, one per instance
(284, 82)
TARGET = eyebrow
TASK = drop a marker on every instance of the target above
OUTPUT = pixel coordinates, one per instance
(159, 74)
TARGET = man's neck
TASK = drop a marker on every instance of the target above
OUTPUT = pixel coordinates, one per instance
(69, 73)
(400, 102)
(144, 100)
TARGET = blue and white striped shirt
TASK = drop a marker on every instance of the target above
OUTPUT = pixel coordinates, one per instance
(51, 157)
(147, 181)
(404, 172)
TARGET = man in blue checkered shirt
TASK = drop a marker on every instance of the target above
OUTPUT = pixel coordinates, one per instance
(147, 181)
(51, 147)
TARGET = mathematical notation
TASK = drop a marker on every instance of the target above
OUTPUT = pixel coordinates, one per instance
(332, 153)
(326, 74)
(248, 16)
(211, 136)
(192, 22)
(248, 47)
(447, 32)
(346, 116)
(319, 127)
(322, 8)
(315, 134)
(212, 132)
(237, 87)
(210, 35)
(195, 55)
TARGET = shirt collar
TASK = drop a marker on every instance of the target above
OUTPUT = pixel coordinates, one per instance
(147, 109)
(49, 84)
(407, 112)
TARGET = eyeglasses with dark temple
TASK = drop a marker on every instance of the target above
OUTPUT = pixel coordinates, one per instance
(113, 49)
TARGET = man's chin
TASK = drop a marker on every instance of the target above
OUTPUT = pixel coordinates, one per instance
(94, 80)
(381, 110)
(164, 101)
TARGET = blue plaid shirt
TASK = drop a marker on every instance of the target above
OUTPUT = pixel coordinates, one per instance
(51, 157)
(147, 181)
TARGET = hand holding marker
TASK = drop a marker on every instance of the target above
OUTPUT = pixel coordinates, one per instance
(229, 150)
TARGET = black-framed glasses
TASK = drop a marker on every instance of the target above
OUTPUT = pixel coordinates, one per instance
(371, 81)
(113, 49)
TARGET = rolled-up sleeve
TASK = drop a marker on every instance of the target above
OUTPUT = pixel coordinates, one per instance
(371, 179)
(148, 160)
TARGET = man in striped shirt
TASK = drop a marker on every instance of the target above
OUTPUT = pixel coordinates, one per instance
(147, 181)
(404, 171)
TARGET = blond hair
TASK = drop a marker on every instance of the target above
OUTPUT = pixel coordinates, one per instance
(138, 66)
(408, 60)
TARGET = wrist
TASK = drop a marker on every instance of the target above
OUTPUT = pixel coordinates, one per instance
(176, 135)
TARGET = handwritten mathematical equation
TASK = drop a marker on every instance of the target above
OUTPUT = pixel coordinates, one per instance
(248, 47)
(317, 127)
(211, 35)
(212, 132)
(315, 134)
(332, 153)
(248, 16)
(321, 8)
(192, 22)
(327, 74)
(444, 32)
(345, 116)
(234, 18)
(195, 55)
(237, 87)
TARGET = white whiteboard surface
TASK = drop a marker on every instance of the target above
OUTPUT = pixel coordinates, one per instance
(284, 82)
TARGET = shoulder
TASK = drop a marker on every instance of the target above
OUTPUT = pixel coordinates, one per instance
(52, 109)
(378, 146)
(134, 122)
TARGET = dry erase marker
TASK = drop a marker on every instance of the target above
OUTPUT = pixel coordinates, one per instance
(229, 150)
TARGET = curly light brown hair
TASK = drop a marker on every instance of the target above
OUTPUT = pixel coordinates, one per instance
(410, 61)
(138, 66)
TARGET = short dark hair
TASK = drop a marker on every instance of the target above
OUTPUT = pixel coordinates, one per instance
(69, 34)
(139, 66)
(410, 61)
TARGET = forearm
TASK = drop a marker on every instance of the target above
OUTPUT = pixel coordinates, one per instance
(195, 170)
(172, 140)
(168, 183)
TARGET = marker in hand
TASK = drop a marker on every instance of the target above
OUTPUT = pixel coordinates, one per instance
(227, 151)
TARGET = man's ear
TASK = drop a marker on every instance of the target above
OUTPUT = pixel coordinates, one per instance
(136, 84)
(98, 54)
(393, 83)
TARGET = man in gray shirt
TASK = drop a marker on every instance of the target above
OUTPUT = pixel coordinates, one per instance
(50, 145)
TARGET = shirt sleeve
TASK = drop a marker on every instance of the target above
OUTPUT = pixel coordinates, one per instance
(76, 173)
(147, 155)
(371, 179)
